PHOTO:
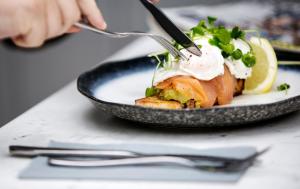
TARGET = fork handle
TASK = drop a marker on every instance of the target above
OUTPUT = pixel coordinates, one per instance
(103, 32)
(30, 151)
(151, 160)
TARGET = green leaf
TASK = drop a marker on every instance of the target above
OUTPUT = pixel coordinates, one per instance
(249, 59)
(214, 41)
(283, 87)
(229, 48)
(237, 33)
(151, 91)
(202, 24)
(166, 55)
(223, 35)
(225, 55)
(178, 46)
(197, 31)
(211, 20)
(237, 54)
(189, 34)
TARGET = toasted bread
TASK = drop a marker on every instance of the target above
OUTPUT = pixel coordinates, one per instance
(154, 102)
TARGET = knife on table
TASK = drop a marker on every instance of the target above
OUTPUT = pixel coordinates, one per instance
(172, 29)
(33, 151)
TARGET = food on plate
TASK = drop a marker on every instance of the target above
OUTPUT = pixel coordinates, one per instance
(155, 102)
(265, 70)
(229, 66)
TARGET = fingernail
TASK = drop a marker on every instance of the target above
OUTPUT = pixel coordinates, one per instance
(103, 25)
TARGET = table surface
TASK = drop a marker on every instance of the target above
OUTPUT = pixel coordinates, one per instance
(67, 116)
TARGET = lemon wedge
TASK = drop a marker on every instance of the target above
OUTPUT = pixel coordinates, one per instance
(265, 70)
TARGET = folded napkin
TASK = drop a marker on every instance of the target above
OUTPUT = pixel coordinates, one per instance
(39, 168)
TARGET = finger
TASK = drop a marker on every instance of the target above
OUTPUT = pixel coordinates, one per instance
(70, 13)
(155, 1)
(90, 10)
(73, 29)
(54, 19)
(38, 29)
(13, 20)
(34, 38)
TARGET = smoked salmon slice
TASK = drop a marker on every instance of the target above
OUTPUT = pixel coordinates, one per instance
(200, 91)
(225, 87)
(186, 91)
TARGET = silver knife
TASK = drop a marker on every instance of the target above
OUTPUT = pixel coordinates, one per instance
(172, 29)
(33, 151)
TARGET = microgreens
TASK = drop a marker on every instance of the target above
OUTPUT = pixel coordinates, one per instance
(222, 35)
(151, 91)
(221, 38)
(283, 87)
(249, 59)
(211, 20)
(228, 48)
(237, 54)
(236, 32)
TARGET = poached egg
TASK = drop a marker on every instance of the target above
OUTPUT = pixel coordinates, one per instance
(208, 66)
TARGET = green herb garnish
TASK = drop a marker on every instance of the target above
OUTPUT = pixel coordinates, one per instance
(249, 59)
(197, 31)
(214, 41)
(222, 35)
(211, 20)
(151, 91)
(236, 32)
(202, 24)
(221, 38)
(229, 48)
(283, 87)
(225, 55)
(237, 54)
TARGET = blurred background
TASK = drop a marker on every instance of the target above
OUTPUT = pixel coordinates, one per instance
(29, 76)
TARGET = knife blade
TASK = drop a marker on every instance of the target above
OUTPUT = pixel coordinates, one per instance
(172, 29)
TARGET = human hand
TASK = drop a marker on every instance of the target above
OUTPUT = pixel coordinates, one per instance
(155, 1)
(31, 22)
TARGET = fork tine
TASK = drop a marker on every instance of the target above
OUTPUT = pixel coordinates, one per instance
(175, 52)
(173, 48)
(167, 46)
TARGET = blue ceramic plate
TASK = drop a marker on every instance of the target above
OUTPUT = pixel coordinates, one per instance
(113, 87)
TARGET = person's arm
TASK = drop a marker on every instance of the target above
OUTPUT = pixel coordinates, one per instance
(29, 23)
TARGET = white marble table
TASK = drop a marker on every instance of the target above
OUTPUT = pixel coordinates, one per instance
(69, 117)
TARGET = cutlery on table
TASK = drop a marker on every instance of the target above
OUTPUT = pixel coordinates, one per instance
(124, 157)
(32, 151)
(212, 166)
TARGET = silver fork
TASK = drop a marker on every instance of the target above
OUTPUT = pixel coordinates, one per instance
(158, 160)
(155, 160)
(161, 40)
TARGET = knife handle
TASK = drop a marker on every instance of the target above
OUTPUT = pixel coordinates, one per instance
(30, 151)
(179, 36)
